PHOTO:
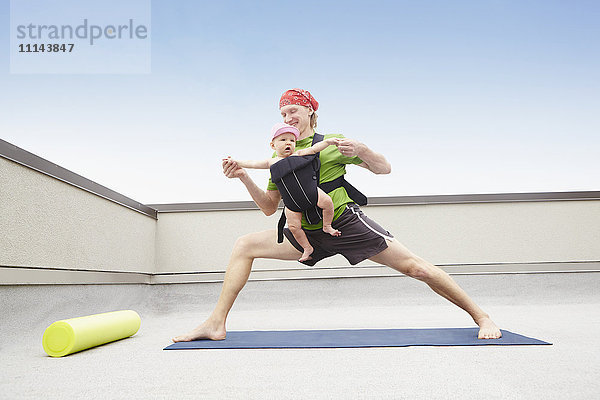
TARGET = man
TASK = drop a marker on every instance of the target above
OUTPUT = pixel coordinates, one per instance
(362, 238)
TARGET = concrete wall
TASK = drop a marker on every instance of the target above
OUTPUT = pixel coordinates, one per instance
(514, 232)
(202, 241)
(51, 224)
(496, 233)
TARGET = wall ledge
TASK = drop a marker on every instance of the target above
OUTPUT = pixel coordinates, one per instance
(22, 157)
(398, 201)
(57, 276)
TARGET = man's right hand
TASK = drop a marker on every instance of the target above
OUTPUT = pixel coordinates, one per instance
(232, 170)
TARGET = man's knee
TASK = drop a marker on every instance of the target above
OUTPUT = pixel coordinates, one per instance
(244, 245)
(418, 269)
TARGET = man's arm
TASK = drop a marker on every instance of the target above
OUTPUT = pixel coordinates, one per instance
(267, 201)
(372, 161)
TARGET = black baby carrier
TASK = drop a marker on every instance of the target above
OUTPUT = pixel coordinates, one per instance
(297, 179)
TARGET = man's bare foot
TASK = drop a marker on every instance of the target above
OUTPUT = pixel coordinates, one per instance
(205, 331)
(329, 229)
(488, 329)
(306, 255)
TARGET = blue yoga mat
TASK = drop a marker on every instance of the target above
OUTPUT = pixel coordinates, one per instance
(355, 338)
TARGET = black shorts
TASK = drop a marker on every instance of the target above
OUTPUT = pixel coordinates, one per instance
(361, 238)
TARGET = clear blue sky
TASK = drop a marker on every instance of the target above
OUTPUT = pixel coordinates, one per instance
(460, 96)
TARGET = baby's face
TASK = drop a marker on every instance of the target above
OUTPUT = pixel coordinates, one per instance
(284, 145)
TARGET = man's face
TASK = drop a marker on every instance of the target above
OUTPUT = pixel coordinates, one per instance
(295, 115)
(284, 144)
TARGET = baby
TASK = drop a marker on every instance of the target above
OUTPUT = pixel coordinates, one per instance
(284, 143)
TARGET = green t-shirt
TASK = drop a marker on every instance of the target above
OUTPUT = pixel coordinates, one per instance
(333, 165)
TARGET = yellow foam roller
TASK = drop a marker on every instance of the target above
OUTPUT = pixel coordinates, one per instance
(72, 335)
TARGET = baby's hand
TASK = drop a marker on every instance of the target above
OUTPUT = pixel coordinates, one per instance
(231, 169)
(333, 141)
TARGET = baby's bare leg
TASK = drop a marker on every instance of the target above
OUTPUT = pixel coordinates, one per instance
(294, 222)
(324, 202)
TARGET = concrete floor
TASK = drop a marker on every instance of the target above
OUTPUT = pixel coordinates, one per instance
(560, 308)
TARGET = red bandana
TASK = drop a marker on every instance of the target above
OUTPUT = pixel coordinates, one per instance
(299, 97)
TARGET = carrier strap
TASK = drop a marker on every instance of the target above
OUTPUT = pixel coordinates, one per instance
(280, 226)
(353, 192)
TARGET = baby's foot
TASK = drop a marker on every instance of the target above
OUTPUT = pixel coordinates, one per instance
(329, 229)
(306, 255)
